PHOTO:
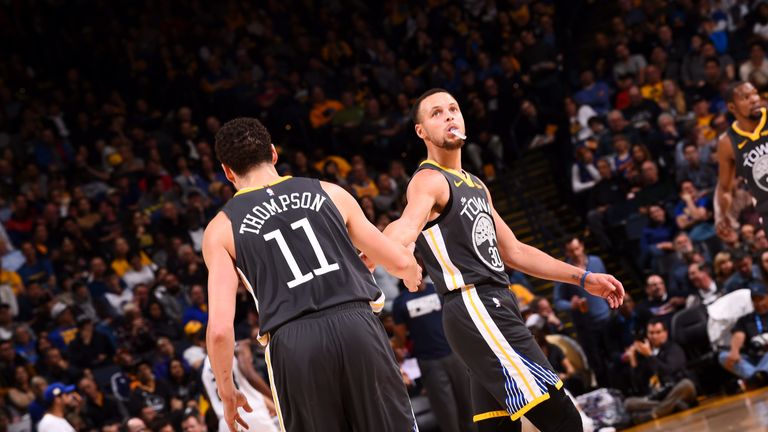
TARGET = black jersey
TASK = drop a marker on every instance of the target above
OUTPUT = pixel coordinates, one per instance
(293, 251)
(459, 247)
(751, 153)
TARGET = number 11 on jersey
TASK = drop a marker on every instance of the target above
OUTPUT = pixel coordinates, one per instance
(299, 277)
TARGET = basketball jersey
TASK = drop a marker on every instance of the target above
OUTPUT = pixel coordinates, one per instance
(459, 248)
(293, 251)
(258, 419)
(751, 154)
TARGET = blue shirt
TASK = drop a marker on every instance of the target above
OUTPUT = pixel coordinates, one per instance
(422, 313)
(598, 310)
(598, 96)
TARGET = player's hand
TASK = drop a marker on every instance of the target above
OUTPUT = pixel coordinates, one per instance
(605, 286)
(231, 414)
(414, 282)
(724, 228)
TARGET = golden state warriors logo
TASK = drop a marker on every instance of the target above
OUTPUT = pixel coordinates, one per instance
(484, 241)
(760, 173)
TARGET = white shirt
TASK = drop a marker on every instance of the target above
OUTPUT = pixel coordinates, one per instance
(52, 423)
(144, 276)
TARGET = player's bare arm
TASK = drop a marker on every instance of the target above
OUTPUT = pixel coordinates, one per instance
(395, 258)
(218, 251)
(725, 184)
(245, 360)
(427, 195)
(535, 262)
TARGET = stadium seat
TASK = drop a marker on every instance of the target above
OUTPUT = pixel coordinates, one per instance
(575, 355)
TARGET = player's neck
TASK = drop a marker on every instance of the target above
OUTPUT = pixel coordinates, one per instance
(746, 124)
(257, 177)
(447, 158)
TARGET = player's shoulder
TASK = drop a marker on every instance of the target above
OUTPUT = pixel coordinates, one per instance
(218, 226)
(428, 179)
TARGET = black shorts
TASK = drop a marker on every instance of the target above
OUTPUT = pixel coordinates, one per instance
(334, 370)
(509, 374)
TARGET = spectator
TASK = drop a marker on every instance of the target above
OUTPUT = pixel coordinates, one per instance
(589, 313)
(658, 355)
(656, 241)
(692, 212)
(700, 174)
(149, 392)
(596, 94)
(723, 267)
(748, 358)
(756, 67)
(35, 268)
(707, 290)
(584, 173)
(60, 398)
(99, 408)
(197, 309)
(609, 192)
(658, 302)
(544, 317)
(628, 64)
(90, 349)
(746, 274)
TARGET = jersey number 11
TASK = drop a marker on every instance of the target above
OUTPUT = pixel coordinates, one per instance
(299, 277)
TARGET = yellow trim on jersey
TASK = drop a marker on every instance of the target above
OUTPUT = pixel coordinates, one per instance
(488, 415)
(742, 144)
(463, 176)
(274, 389)
(446, 266)
(755, 134)
(496, 341)
(251, 189)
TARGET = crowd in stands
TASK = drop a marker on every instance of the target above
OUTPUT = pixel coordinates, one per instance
(108, 114)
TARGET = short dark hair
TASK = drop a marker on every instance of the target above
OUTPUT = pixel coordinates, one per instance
(658, 320)
(731, 90)
(243, 143)
(714, 60)
(417, 105)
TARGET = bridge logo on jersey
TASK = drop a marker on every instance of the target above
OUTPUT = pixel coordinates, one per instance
(757, 159)
(484, 241)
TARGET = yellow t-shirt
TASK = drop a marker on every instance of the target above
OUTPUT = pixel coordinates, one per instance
(13, 279)
(121, 265)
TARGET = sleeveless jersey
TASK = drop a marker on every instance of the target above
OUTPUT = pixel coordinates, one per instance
(459, 247)
(258, 419)
(751, 154)
(293, 251)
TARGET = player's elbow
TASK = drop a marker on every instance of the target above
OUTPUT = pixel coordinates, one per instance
(218, 333)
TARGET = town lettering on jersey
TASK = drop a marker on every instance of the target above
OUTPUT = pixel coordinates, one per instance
(472, 206)
(756, 153)
(253, 221)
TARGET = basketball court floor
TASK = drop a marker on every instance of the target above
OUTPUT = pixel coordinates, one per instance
(747, 412)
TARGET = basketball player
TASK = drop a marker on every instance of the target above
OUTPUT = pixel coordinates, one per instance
(466, 245)
(292, 243)
(245, 379)
(743, 149)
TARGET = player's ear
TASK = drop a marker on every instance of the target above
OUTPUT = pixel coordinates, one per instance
(274, 154)
(731, 106)
(419, 130)
(229, 173)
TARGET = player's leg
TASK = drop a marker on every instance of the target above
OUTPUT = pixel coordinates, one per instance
(304, 370)
(489, 415)
(373, 393)
(485, 329)
(556, 414)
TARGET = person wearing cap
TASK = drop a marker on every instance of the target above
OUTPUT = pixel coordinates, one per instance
(748, 356)
(59, 398)
(66, 329)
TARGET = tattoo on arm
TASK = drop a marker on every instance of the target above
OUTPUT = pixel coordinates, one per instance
(575, 277)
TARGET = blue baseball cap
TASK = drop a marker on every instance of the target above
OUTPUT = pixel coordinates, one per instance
(57, 389)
